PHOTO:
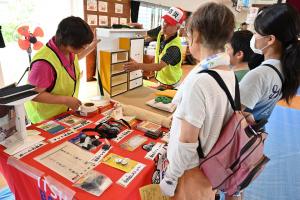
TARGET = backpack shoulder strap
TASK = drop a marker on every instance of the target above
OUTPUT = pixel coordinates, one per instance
(276, 70)
(236, 103)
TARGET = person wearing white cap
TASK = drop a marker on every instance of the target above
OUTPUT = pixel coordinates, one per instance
(168, 56)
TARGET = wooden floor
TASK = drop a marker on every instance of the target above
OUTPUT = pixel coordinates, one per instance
(295, 103)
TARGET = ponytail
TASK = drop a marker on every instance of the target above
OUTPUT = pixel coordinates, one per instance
(282, 21)
(291, 70)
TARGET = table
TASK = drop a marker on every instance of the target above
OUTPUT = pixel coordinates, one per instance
(138, 97)
(33, 181)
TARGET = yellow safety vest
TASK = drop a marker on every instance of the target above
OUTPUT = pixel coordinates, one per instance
(171, 74)
(65, 85)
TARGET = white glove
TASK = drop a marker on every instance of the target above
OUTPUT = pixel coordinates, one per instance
(168, 186)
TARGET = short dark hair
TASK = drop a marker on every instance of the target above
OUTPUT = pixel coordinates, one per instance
(240, 41)
(73, 31)
(215, 22)
(244, 23)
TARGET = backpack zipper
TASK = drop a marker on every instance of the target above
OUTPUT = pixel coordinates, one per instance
(253, 172)
(243, 150)
(240, 165)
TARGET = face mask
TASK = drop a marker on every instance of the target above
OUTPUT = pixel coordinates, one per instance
(254, 49)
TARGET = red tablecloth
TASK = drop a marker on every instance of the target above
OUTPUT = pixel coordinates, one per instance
(27, 188)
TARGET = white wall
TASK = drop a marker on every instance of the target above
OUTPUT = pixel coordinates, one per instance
(264, 1)
(188, 5)
(192, 5)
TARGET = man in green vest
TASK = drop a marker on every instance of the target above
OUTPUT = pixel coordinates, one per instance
(168, 56)
(55, 70)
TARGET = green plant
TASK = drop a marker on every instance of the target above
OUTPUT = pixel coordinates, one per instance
(9, 32)
(20, 13)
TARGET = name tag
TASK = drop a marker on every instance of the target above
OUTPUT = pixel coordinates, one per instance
(122, 135)
(29, 150)
(128, 177)
(61, 136)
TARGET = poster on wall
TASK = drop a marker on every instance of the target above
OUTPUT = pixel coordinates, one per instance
(118, 8)
(102, 6)
(114, 20)
(92, 20)
(91, 5)
(103, 20)
(123, 21)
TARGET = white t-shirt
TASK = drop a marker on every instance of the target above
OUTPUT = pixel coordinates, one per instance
(202, 103)
(261, 89)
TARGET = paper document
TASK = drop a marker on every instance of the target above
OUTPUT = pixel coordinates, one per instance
(68, 160)
(16, 143)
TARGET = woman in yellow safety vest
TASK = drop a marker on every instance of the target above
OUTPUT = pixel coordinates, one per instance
(55, 70)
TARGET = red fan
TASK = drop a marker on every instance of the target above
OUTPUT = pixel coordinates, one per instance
(26, 39)
(30, 38)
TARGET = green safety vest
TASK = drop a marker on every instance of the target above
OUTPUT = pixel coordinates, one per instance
(65, 85)
(170, 74)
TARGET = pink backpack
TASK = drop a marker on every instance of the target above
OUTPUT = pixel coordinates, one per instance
(237, 158)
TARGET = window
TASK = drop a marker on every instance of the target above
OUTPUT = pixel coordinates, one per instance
(15, 13)
(150, 15)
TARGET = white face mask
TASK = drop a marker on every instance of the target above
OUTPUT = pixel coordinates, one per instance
(254, 49)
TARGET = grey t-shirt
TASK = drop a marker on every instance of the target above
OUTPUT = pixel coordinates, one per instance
(261, 89)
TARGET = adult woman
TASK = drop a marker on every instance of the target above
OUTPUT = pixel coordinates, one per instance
(202, 106)
(55, 70)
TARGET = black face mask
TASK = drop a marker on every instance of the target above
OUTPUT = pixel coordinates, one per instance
(255, 61)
